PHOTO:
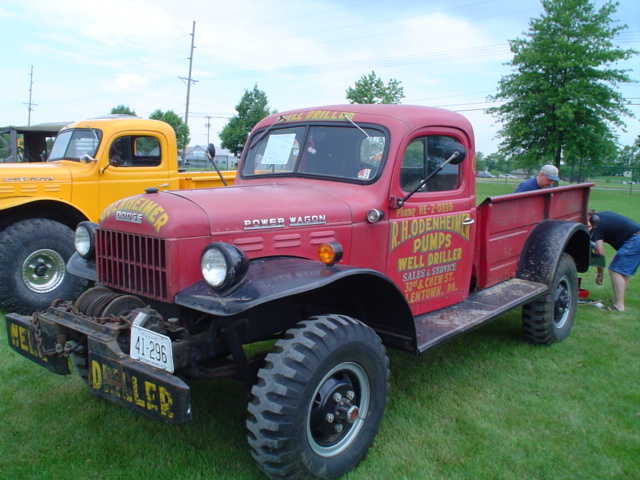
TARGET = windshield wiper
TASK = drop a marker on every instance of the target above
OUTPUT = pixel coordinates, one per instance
(95, 135)
(253, 144)
(355, 124)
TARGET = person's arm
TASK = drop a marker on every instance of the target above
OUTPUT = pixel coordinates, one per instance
(599, 249)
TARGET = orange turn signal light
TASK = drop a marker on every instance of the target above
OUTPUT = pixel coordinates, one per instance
(330, 253)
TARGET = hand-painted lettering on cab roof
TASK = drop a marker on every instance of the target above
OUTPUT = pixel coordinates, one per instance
(318, 115)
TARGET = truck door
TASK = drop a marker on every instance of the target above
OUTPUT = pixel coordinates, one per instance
(432, 234)
(141, 161)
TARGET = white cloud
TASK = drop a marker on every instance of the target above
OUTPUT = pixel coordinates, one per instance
(89, 56)
(127, 83)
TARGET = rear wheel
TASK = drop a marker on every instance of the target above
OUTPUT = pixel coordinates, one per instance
(550, 318)
(33, 258)
(319, 400)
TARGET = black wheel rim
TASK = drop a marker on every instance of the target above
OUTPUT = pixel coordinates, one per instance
(338, 408)
(562, 302)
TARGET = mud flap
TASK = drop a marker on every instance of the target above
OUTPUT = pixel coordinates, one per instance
(22, 338)
(145, 389)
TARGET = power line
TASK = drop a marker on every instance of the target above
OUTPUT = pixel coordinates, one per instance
(445, 55)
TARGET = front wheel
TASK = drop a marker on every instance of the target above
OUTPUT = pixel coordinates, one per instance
(33, 257)
(550, 318)
(319, 399)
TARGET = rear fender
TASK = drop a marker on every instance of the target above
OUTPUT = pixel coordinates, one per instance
(546, 242)
(370, 296)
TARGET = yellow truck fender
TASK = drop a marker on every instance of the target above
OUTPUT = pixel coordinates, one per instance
(67, 212)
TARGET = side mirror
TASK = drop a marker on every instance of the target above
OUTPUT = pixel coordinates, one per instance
(455, 150)
(211, 151)
(86, 158)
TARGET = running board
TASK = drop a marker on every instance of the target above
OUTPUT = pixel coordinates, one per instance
(479, 308)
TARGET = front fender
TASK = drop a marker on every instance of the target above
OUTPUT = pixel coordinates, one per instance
(372, 297)
(59, 209)
(12, 202)
(549, 238)
(82, 268)
(266, 280)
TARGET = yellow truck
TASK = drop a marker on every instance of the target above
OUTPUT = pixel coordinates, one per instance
(91, 164)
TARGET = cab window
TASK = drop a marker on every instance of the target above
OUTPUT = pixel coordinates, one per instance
(422, 157)
(135, 151)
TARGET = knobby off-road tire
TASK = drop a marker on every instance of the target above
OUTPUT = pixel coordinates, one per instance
(33, 266)
(550, 318)
(319, 399)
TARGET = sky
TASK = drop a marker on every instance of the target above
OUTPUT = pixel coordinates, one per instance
(88, 57)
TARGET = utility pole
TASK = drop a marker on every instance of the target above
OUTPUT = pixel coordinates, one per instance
(30, 105)
(189, 82)
(208, 125)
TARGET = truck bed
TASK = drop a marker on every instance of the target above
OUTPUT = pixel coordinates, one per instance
(189, 180)
(504, 223)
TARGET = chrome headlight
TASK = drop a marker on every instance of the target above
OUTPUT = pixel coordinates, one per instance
(223, 265)
(84, 239)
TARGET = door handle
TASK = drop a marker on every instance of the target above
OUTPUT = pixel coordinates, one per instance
(468, 221)
(164, 185)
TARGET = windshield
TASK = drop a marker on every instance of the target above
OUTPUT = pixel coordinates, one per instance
(72, 144)
(344, 152)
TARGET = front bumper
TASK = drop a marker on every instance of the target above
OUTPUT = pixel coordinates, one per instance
(112, 374)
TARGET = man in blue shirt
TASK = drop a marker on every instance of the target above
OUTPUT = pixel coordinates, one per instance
(548, 174)
(623, 234)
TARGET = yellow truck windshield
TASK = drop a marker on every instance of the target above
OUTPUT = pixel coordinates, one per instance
(72, 144)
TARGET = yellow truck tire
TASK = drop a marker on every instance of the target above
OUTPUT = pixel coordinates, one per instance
(33, 259)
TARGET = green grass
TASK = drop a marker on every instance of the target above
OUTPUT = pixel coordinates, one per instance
(484, 406)
(500, 186)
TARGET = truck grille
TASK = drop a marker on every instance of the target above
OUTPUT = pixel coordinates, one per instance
(133, 263)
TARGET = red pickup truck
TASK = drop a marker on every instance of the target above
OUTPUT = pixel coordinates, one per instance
(348, 228)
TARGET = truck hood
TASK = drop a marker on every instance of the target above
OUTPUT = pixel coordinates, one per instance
(29, 173)
(262, 208)
(227, 212)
